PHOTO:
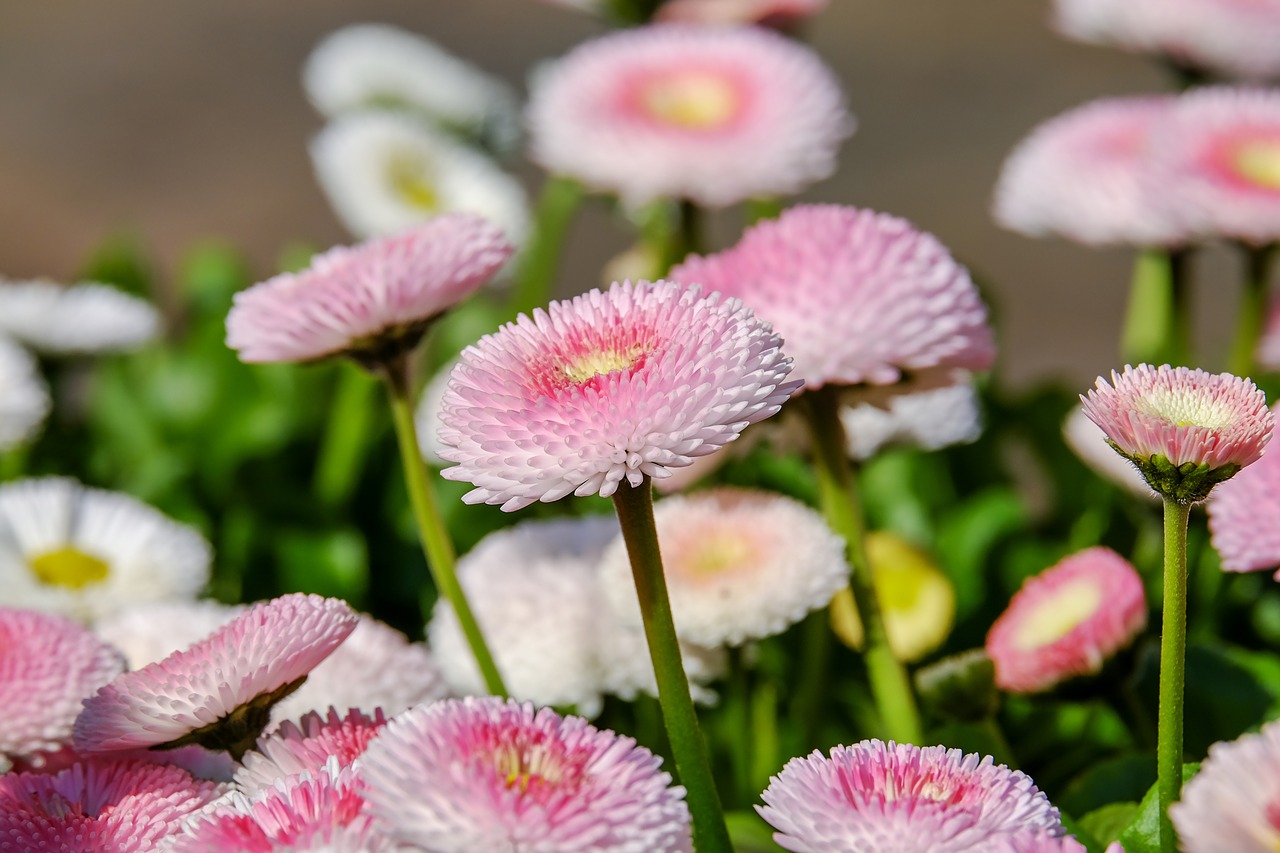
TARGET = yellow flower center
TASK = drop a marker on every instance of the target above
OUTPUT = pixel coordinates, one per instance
(1187, 409)
(693, 100)
(520, 768)
(1056, 617)
(68, 567)
(601, 363)
(714, 553)
(410, 180)
(1259, 162)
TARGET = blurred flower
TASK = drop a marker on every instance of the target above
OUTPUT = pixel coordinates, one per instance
(1066, 621)
(306, 747)
(87, 552)
(1087, 175)
(102, 805)
(858, 296)
(380, 66)
(1185, 429)
(426, 418)
(385, 172)
(24, 396)
(1268, 353)
(1221, 36)
(624, 656)
(1231, 803)
(151, 631)
(1244, 517)
(930, 418)
(770, 12)
(491, 774)
(916, 599)
(48, 666)
(80, 319)
(218, 693)
(612, 385)
(1089, 442)
(714, 115)
(372, 301)
(740, 565)
(931, 799)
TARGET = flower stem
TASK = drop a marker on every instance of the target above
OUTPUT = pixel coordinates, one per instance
(1173, 662)
(346, 437)
(635, 514)
(1253, 308)
(436, 544)
(557, 203)
(839, 494)
(1156, 323)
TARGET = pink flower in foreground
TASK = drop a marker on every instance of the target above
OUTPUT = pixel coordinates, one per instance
(1086, 175)
(714, 115)
(48, 666)
(371, 301)
(768, 12)
(305, 747)
(607, 387)
(1185, 429)
(1066, 621)
(858, 296)
(218, 692)
(1233, 801)
(931, 799)
(490, 774)
(1244, 517)
(100, 805)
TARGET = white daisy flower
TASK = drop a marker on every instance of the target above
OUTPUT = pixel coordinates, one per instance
(24, 396)
(151, 631)
(87, 552)
(82, 318)
(384, 172)
(929, 419)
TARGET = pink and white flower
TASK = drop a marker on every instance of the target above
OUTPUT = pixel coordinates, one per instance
(1244, 517)
(1232, 802)
(306, 747)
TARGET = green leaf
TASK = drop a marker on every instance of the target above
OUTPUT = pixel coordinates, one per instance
(1142, 834)
(749, 833)
(1106, 823)
(1119, 779)
(967, 535)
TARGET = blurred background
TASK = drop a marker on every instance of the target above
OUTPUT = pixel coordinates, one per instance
(173, 125)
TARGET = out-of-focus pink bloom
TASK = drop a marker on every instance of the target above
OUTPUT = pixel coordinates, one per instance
(1232, 802)
(1244, 517)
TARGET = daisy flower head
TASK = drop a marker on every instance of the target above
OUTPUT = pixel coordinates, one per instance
(779, 13)
(372, 301)
(943, 801)
(929, 418)
(48, 666)
(80, 319)
(306, 747)
(609, 386)
(219, 692)
(1244, 517)
(709, 114)
(24, 396)
(1232, 802)
(386, 172)
(1186, 430)
(859, 296)
(740, 565)
(1087, 176)
(87, 553)
(493, 774)
(1066, 621)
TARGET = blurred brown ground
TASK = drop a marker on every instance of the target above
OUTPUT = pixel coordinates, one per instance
(179, 122)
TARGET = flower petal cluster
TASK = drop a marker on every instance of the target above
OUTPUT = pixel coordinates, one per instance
(151, 631)
(710, 114)
(858, 296)
(878, 796)
(24, 396)
(1231, 803)
(371, 301)
(610, 386)
(306, 747)
(80, 319)
(1244, 517)
(1066, 621)
(491, 774)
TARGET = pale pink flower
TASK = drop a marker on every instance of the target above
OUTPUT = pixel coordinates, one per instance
(100, 805)
(48, 666)
(243, 667)
(715, 115)
(1168, 419)
(490, 774)
(1066, 621)
(1233, 801)
(306, 746)
(1244, 517)
(1086, 175)
(610, 386)
(1268, 352)
(858, 296)
(1087, 440)
(876, 796)
(769, 12)
(370, 301)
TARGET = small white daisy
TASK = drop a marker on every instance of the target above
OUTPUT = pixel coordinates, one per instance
(87, 552)
(82, 318)
(24, 396)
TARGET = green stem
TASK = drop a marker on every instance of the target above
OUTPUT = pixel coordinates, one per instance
(436, 544)
(346, 437)
(816, 633)
(536, 270)
(1173, 661)
(837, 486)
(1156, 328)
(1253, 308)
(634, 506)
(760, 209)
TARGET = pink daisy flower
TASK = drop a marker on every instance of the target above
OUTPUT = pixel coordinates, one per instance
(101, 805)
(1086, 175)
(714, 115)
(48, 666)
(767, 12)
(489, 774)
(1268, 352)
(1244, 517)
(306, 746)
(858, 296)
(1185, 429)
(371, 301)
(1066, 621)
(613, 385)
(219, 692)
(1232, 803)
(877, 796)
